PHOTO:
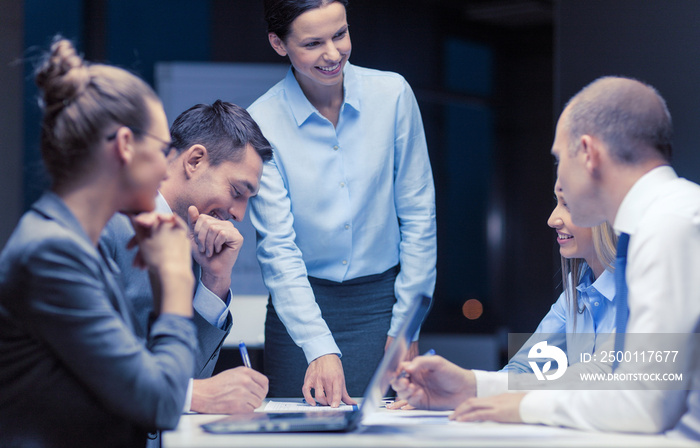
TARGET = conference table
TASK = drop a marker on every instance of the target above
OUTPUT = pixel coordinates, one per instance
(385, 428)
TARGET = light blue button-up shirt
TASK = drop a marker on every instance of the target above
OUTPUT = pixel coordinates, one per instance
(598, 317)
(341, 202)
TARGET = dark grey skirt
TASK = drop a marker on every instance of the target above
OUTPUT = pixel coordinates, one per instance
(358, 313)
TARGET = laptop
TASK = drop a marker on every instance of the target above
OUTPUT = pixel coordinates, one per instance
(333, 421)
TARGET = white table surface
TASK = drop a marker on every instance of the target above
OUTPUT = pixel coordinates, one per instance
(414, 432)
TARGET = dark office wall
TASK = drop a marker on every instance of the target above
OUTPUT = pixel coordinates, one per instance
(11, 132)
(141, 33)
(525, 268)
(42, 20)
(128, 33)
(656, 41)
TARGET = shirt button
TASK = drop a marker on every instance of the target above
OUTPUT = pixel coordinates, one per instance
(596, 303)
(345, 261)
(335, 147)
(342, 185)
(347, 226)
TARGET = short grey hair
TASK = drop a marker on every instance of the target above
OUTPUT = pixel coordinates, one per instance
(630, 116)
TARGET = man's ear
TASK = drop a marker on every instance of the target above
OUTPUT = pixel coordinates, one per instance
(591, 150)
(194, 160)
(277, 44)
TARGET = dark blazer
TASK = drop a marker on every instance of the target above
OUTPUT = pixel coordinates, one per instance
(137, 288)
(72, 370)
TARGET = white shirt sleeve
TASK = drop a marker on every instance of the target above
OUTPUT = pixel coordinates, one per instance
(490, 383)
(188, 398)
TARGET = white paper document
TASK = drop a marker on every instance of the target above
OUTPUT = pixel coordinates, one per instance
(295, 406)
(414, 417)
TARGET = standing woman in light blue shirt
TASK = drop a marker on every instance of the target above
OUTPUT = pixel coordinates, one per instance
(346, 210)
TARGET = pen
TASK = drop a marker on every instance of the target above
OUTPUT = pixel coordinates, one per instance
(404, 374)
(244, 354)
(430, 352)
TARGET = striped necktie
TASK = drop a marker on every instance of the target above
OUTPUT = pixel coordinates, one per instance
(621, 309)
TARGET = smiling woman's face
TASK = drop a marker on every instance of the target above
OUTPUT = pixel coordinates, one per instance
(318, 46)
(574, 241)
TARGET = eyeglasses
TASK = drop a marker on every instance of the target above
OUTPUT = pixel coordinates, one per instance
(169, 146)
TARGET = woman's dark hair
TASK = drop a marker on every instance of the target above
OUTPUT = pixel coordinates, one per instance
(279, 14)
(80, 100)
(223, 128)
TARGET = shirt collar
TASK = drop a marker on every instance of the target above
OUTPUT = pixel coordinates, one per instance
(351, 84)
(640, 196)
(302, 108)
(604, 284)
(162, 205)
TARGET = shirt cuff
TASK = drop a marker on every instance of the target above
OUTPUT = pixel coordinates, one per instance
(490, 383)
(395, 326)
(188, 397)
(210, 306)
(321, 346)
(538, 406)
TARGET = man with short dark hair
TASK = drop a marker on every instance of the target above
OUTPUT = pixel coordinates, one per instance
(215, 170)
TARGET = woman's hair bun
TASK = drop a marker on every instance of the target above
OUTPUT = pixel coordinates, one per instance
(63, 75)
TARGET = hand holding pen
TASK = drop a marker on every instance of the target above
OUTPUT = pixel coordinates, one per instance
(432, 382)
(404, 374)
(232, 391)
(403, 404)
